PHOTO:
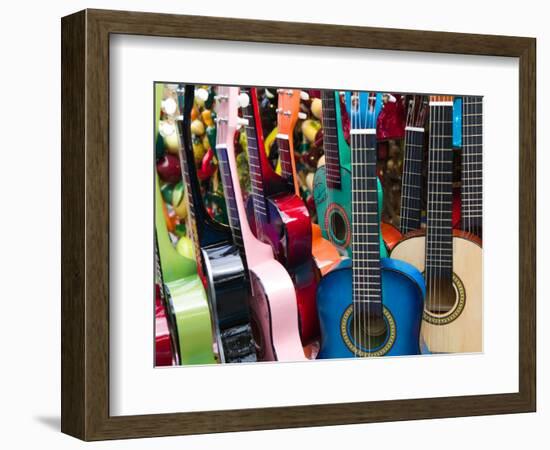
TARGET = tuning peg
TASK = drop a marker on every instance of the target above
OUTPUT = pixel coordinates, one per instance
(304, 96)
(244, 100)
(169, 106)
(242, 122)
(302, 115)
(202, 94)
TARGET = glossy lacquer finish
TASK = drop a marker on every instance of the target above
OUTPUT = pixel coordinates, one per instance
(164, 353)
(220, 261)
(228, 290)
(185, 297)
(330, 202)
(288, 231)
(403, 293)
(273, 302)
(287, 228)
(281, 219)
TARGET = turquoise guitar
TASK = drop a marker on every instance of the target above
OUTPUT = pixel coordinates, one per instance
(332, 181)
(369, 306)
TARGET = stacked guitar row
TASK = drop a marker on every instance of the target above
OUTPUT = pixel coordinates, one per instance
(295, 225)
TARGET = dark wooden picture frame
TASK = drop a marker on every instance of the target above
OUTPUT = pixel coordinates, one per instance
(85, 224)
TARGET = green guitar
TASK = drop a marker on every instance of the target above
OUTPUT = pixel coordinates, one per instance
(187, 301)
(332, 182)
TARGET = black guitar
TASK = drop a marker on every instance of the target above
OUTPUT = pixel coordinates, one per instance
(220, 260)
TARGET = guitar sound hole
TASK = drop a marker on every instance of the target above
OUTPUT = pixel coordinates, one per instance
(441, 296)
(369, 331)
(338, 225)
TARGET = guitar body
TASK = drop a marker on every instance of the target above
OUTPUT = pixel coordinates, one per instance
(459, 330)
(274, 312)
(391, 235)
(164, 351)
(189, 306)
(403, 294)
(187, 302)
(272, 304)
(229, 293)
(287, 229)
(334, 209)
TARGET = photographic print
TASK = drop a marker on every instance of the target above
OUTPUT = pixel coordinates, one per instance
(301, 224)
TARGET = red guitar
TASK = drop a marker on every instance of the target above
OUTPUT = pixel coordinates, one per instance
(280, 218)
(325, 254)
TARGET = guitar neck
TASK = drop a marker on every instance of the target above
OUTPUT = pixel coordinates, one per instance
(411, 189)
(230, 193)
(330, 139)
(472, 165)
(286, 155)
(257, 160)
(439, 237)
(202, 229)
(365, 227)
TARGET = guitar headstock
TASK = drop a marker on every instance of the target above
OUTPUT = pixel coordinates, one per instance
(441, 99)
(417, 111)
(226, 114)
(288, 110)
(363, 108)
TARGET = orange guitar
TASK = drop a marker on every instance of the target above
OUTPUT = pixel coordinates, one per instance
(325, 254)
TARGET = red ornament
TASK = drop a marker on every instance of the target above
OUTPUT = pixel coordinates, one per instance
(391, 120)
(169, 169)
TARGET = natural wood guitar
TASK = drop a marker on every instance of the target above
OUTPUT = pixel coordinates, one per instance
(451, 260)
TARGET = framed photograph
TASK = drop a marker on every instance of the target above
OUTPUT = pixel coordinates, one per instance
(328, 225)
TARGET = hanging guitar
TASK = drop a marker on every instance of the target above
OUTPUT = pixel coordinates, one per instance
(273, 302)
(411, 178)
(471, 194)
(450, 259)
(325, 254)
(220, 260)
(368, 306)
(185, 298)
(281, 219)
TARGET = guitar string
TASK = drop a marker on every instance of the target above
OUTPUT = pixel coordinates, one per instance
(355, 217)
(405, 212)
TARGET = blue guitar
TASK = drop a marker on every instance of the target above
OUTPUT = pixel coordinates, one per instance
(369, 306)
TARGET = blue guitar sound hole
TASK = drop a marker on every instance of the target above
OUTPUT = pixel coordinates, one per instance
(368, 334)
(368, 337)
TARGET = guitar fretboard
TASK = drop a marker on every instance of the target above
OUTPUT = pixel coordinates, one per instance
(330, 139)
(439, 237)
(365, 227)
(472, 165)
(255, 165)
(230, 200)
(411, 188)
(286, 158)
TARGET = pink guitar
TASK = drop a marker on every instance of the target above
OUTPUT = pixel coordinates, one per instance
(273, 307)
